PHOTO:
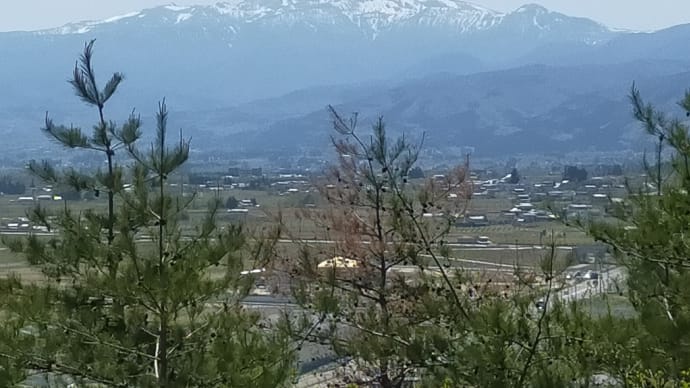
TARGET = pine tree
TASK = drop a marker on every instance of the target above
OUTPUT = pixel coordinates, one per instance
(106, 139)
(514, 176)
(128, 299)
(650, 238)
(366, 308)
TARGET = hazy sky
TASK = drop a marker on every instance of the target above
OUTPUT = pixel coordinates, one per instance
(631, 14)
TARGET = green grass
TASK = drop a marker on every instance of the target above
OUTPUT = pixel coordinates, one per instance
(600, 305)
(15, 264)
(528, 234)
(9, 259)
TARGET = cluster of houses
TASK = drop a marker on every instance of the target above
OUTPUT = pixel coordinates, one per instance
(20, 224)
(544, 201)
(243, 206)
(43, 194)
(291, 184)
(42, 197)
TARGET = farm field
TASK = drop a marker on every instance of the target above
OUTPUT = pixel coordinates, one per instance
(510, 245)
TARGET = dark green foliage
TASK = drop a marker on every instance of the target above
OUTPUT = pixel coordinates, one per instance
(650, 241)
(9, 185)
(167, 329)
(106, 138)
(575, 174)
(506, 341)
(231, 203)
(514, 177)
(128, 300)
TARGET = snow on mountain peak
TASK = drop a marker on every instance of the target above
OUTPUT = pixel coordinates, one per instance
(86, 26)
(174, 7)
(372, 16)
(116, 18)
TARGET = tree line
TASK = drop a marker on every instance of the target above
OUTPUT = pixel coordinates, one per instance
(12, 186)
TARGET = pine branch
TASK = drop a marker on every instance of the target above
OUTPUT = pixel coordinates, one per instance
(39, 363)
(69, 137)
(111, 87)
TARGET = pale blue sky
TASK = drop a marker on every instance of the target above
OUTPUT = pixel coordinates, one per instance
(630, 14)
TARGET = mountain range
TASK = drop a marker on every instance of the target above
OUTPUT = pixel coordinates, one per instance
(259, 73)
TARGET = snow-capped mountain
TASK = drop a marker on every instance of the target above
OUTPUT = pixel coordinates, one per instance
(211, 57)
(241, 50)
(205, 59)
(371, 17)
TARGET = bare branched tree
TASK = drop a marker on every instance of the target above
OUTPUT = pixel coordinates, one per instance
(386, 254)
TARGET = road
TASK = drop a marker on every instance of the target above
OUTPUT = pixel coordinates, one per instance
(268, 301)
(470, 247)
(587, 288)
(465, 247)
